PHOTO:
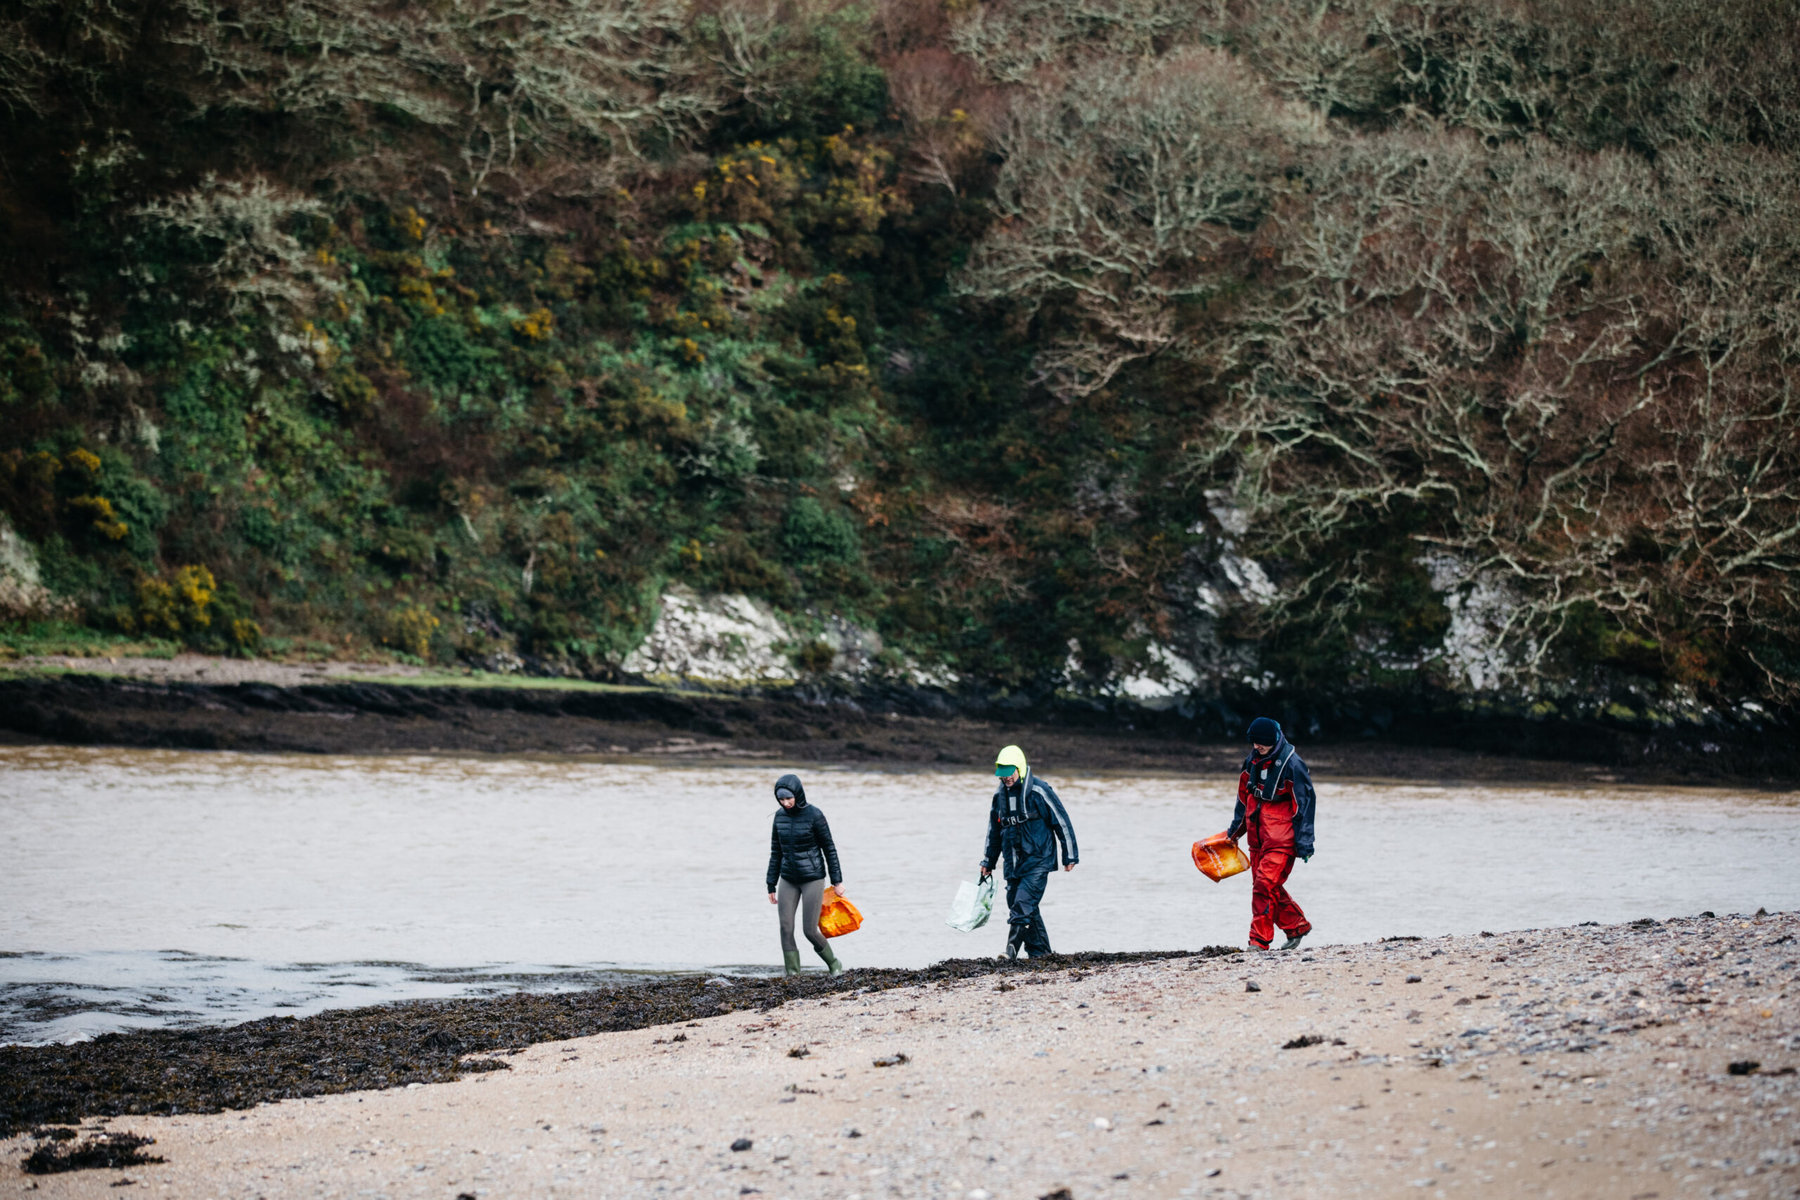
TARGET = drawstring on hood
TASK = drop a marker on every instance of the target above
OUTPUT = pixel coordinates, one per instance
(792, 783)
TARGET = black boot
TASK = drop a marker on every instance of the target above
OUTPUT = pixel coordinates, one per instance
(1015, 940)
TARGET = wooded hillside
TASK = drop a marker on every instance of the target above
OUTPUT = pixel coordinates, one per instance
(1330, 343)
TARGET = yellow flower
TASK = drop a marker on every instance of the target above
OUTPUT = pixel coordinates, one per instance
(535, 326)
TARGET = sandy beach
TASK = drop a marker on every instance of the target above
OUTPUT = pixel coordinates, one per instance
(1592, 1061)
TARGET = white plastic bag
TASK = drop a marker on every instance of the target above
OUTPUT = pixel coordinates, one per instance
(973, 905)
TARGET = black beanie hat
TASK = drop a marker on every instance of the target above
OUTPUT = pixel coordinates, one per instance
(1264, 731)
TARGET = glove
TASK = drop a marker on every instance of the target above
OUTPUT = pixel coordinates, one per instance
(1306, 858)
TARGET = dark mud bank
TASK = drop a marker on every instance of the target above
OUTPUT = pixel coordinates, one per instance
(282, 1058)
(1413, 736)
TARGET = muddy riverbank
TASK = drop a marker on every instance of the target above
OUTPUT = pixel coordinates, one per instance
(1648, 1059)
(340, 713)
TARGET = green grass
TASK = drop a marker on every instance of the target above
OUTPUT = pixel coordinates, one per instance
(68, 640)
(94, 653)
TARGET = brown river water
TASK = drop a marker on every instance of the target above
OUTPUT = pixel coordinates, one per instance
(153, 888)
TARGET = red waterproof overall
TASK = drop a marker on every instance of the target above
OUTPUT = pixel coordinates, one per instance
(1270, 824)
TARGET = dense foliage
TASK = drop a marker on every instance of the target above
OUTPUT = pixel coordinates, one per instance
(1011, 329)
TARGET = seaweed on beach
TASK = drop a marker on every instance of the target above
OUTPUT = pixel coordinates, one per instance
(103, 1151)
(281, 1058)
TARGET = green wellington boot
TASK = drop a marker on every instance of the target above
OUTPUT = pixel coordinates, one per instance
(831, 962)
(790, 962)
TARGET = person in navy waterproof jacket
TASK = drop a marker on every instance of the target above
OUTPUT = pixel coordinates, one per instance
(1275, 803)
(1026, 824)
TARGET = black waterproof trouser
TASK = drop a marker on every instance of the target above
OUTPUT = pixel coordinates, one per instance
(1024, 921)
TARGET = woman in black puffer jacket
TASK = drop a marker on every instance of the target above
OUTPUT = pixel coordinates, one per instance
(801, 854)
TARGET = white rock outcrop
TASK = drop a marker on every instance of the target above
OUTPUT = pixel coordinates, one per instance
(1236, 580)
(729, 640)
(1480, 610)
(1170, 679)
(720, 639)
(22, 590)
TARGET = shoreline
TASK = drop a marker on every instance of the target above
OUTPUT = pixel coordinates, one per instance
(217, 1068)
(397, 714)
(1587, 1061)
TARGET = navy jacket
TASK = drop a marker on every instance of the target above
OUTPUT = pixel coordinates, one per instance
(1282, 782)
(800, 845)
(1026, 825)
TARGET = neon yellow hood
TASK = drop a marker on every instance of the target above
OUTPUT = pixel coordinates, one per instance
(1012, 756)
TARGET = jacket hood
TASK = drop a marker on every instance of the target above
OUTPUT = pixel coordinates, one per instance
(1012, 756)
(792, 783)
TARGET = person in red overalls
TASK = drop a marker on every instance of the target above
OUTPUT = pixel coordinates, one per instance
(1275, 803)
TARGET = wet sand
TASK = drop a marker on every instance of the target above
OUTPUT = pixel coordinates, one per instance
(192, 702)
(1592, 1061)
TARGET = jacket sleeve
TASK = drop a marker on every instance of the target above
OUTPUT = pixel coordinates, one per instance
(822, 838)
(774, 855)
(1304, 801)
(990, 854)
(1236, 829)
(1065, 832)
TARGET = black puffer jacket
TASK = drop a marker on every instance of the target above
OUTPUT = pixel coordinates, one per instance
(800, 845)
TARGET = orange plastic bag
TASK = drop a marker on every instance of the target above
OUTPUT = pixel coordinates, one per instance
(1218, 857)
(837, 916)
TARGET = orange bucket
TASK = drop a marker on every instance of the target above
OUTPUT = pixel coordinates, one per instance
(1218, 857)
(837, 916)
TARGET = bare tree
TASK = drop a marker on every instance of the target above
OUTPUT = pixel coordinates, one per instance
(1118, 193)
(1013, 40)
(1569, 374)
(985, 551)
(243, 230)
(940, 105)
(539, 95)
(1562, 359)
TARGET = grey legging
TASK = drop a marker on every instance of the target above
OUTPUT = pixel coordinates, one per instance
(808, 897)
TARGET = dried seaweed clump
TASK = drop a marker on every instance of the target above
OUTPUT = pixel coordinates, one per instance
(103, 1150)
